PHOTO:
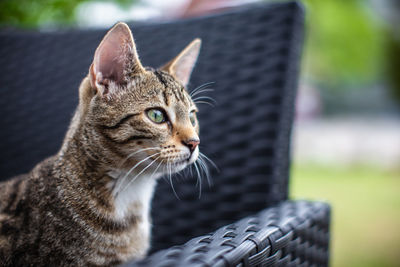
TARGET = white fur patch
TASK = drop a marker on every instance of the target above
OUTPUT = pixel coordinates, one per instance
(138, 192)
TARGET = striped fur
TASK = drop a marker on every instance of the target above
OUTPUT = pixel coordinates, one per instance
(86, 205)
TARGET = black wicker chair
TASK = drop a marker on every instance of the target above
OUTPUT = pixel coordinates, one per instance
(252, 54)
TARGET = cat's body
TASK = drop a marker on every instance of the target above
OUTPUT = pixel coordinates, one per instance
(49, 225)
(89, 204)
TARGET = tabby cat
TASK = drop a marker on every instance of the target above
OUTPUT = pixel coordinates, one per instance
(89, 204)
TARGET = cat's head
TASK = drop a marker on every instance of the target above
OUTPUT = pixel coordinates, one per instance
(137, 116)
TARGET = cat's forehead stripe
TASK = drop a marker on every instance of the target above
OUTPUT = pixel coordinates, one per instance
(165, 96)
(170, 87)
(162, 80)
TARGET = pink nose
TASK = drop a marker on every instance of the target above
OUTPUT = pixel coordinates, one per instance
(191, 144)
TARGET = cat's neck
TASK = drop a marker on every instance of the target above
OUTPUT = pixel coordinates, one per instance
(117, 193)
(131, 191)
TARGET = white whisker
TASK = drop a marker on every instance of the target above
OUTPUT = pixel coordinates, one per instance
(205, 98)
(158, 166)
(202, 91)
(204, 102)
(170, 179)
(137, 175)
(144, 149)
(190, 169)
(198, 178)
(136, 152)
(134, 167)
(204, 167)
(209, 160)
(200, 87)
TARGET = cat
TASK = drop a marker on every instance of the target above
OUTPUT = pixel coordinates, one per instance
(89, 204)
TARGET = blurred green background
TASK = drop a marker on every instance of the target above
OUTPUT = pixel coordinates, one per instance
(346, 142)
(352, 60)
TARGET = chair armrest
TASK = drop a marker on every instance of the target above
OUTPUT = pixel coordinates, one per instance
(294, 233)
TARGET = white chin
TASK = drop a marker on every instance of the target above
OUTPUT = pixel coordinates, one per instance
(194, 156)
(178, 168)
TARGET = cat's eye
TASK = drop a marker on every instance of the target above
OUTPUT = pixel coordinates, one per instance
(192, 118)
(156, 115)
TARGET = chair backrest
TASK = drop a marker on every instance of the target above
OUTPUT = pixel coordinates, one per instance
(251, 54)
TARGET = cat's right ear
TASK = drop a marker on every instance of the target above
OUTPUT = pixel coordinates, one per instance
(115, 60)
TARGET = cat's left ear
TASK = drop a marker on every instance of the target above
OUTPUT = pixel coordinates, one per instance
(115, 60)
(181, 66)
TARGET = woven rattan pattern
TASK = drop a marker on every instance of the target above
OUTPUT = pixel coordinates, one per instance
(252, 56)
(291, 234)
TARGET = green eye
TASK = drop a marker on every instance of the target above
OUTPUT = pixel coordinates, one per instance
(192, 118)
(156, 115)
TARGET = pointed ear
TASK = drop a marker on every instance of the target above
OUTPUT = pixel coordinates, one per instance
(182, 65)
(115, 59)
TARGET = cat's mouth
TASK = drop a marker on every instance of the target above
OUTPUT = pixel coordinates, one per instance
(172, 163)
(179, 161)
(186, 158)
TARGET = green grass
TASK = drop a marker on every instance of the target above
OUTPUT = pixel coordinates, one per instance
(365, 211)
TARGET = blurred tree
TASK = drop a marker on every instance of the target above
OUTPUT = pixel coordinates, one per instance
(391, 13)
(345, 42)
(393, 65)
(36, 13)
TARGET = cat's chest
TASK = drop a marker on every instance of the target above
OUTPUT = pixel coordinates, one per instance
(132, 195)
(131, 207)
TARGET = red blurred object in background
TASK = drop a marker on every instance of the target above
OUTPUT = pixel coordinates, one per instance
(202, 7)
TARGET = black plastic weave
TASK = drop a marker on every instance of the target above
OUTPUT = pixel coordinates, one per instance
(291, 234)
(252, 55)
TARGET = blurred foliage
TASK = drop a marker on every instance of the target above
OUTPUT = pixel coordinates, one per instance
(344, 42)
(393, 65)
(36, 13)
(346, 45)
